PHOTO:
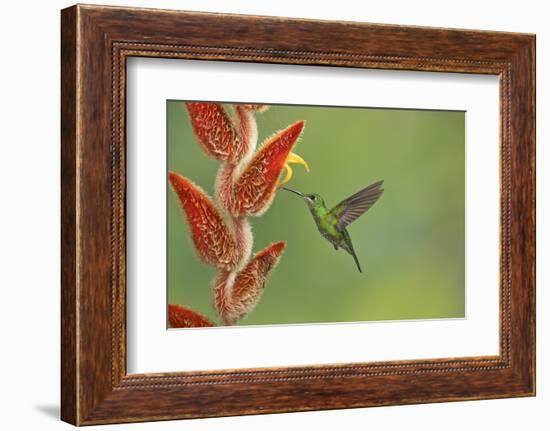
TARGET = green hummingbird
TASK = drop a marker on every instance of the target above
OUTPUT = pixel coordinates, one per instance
(332, 223)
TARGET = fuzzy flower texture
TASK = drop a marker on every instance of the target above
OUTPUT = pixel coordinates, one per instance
(245, 187)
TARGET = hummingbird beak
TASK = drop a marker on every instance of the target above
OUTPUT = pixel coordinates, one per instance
(294, 191)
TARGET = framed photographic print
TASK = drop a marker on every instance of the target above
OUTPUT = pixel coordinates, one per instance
(283, 215)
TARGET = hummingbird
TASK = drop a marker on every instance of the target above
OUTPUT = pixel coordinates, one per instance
(332, 223)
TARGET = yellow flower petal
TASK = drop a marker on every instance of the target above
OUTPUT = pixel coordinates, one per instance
(292, 158)
(295, 158)
(288, 175)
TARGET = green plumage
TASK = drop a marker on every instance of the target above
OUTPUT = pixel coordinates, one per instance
(332, 223)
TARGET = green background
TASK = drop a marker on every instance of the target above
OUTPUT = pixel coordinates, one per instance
(410, 243)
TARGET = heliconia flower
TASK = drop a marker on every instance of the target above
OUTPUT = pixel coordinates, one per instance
(218, 136)
(257, 108)
(180, 316)
(214, 242)
(245, 186)
(221, 287)
(254, 189)
(237, 295)
(292, 158)
(248, 132)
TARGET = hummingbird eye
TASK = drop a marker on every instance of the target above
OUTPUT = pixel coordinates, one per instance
(312, 197)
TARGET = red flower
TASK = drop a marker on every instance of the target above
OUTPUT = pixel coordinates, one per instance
(183, 317)
(219, 137)
(240, 293)
(255, 188)
(214, 242)
(245, 186)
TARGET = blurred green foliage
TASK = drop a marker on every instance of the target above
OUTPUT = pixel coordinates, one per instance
(411, 243)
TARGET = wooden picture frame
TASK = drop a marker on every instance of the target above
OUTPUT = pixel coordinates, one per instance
(95, 43)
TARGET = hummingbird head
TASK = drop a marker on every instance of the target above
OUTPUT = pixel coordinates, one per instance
(312, 200)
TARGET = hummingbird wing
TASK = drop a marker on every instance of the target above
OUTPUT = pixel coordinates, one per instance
(356, 205)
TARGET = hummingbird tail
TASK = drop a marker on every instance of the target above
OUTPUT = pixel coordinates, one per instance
(356, 260)
(348, 246)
